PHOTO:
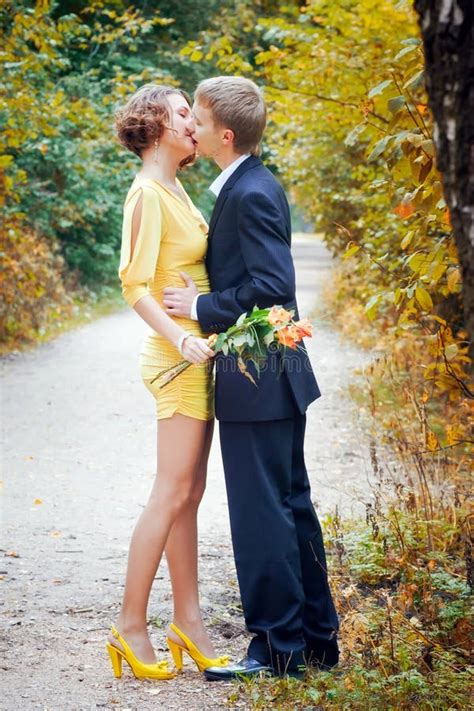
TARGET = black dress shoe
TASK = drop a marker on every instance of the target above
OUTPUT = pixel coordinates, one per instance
(246, 667)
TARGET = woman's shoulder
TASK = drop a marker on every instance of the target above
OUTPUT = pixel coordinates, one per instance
(145, 187)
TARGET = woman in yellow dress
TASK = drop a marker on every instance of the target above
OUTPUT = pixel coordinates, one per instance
(164, 238)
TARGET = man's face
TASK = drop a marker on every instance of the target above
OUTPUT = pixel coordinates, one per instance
(207, 135)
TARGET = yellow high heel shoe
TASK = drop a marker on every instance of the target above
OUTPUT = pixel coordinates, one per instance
(159, 670)
(202, 662)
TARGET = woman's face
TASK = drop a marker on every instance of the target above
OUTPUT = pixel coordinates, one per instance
(178, 135)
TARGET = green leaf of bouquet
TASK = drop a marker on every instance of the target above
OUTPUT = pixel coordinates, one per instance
(221, 339)
(241, 340)
(269, 338)
(260, 313)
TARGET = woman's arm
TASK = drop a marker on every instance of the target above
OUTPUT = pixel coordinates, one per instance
(140, 250)
(193, 348)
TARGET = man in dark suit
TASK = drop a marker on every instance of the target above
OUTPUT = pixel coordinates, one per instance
(277, 539)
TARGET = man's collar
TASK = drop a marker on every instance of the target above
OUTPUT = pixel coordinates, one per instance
(221, 179)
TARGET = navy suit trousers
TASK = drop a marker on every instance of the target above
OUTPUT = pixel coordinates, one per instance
(278, 544)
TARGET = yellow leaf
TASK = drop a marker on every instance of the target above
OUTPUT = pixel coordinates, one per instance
(55, 534)
(451, 351)
(423, 298)
(352, 248)
(431, 441)
(37, 502)
(454, 277)
(407, 239)
(453, 435)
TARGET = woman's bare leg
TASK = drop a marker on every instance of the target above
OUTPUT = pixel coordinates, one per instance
(171, 492)
(182, 555)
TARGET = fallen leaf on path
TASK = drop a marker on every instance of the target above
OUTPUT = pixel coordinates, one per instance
(37, 502)
(29, 459)
(55, 534)
(12, 554)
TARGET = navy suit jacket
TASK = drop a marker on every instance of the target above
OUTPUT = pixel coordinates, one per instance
(249, 263)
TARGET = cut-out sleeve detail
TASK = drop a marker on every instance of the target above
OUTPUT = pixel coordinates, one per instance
(137, 266)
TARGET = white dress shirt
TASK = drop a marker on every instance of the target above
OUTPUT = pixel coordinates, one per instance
(216, 188)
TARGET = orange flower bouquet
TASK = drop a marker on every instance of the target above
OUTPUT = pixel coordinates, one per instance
(249, 338)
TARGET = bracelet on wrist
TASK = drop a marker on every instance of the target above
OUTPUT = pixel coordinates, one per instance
(181, 341)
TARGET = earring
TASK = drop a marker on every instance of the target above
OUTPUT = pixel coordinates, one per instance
(155, 152)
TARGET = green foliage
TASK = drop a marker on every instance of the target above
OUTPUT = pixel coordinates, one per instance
(63, 176)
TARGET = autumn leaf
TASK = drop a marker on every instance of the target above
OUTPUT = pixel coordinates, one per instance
(423, 298)
(431, 441)
(404, 210)
(352, 248)
(453, 434)
(454, 278)
(451, 351)
(407, 239)
(37, 502)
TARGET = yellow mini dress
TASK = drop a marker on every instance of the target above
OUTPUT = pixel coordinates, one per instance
(172, 238)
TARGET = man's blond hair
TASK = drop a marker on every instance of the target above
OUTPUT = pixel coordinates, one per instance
(236, 103)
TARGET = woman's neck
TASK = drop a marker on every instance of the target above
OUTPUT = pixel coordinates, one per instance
(159, 166)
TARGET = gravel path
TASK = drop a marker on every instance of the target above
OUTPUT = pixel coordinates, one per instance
(79, 434)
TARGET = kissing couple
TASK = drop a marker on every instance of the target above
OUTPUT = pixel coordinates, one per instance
(187, 280)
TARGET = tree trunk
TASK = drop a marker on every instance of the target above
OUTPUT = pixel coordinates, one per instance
(447, 30)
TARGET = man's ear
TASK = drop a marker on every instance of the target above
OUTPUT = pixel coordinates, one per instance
(228, 136)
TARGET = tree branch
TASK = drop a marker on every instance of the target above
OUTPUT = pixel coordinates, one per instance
(325, 98)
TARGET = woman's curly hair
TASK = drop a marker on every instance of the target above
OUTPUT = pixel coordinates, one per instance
(144, 117)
